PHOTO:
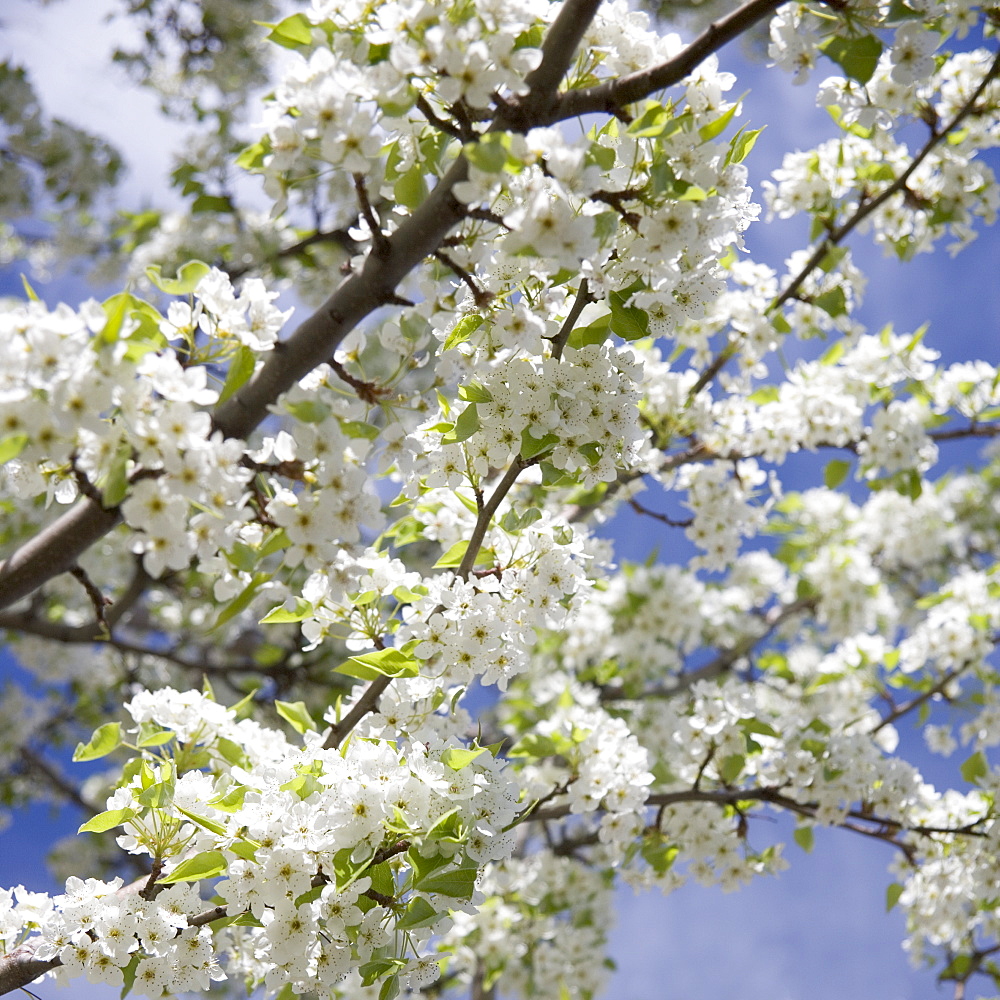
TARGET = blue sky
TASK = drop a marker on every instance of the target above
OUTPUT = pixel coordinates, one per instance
(819, 931)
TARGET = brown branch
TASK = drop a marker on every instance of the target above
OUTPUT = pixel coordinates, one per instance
(480, 296)
(612, 96)
(920, 699)
(669, 521)
(368, 392)
(368, 702)
(583, 299)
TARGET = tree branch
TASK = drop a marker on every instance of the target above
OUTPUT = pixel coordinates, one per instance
(613, 95)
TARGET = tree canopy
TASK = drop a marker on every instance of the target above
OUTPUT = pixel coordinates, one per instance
(319, 581)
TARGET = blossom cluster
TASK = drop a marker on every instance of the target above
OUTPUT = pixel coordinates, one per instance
(332, 858)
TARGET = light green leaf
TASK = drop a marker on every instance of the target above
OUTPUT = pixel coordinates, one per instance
(743, 142)
(975, 767)
(473, 392)
(708, 132)
(457, 758)
(732, 767)
(114, 486)
(188, 276)
(454, 556)
(282, 616)
(457, 882)
(804, 837)
(359, 429)
(532, 446)
(892, 893)
(211, 203)
(857, 57)
(240, 369)
(835, 473)
(466, 425)
(242, 600)
(462, 330)
(207, 864)
(105, 739)
(296, 715)
(291, 33)
(411, 188)
(833, 302)
(627, 322)
(12, 446)
(419, 913)
(203, 821)
(106, 820)
(382, 663)
(309, 411)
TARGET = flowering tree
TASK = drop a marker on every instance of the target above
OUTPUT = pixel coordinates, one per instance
(381, 712)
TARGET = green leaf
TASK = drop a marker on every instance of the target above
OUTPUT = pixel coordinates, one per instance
(857, 57)
(419, 913)
(114, 485)
(732, 767)
(411, 189)
(975, 768)
(466, 425)
(207, 864)
(28, 290)
(252, 158)
(240, 370)
(382, 663)
(892, 893)
(211, 203)
(232, 801)
(457, 882)
(627, 322)
(804, 837)
(536, 746)
(106, 820)
(742, 143)
(12, 446)
(242, 600)
(188, 276)
(454, 556)
(203, 821)
(708, 132)
(473, 392)
(532, 446)
(309, 411)
(291, 33)
(833, 302)
(462, 330)
(359, 429)
(282, 616)
(652, 122)
(457, 758)
(390, 988)
(296, 715)
(491, 153)
(832, 257)
(105, 739)
(594, 333)
(835, 473)
(151, 735)
(423, 867)
(116, 310)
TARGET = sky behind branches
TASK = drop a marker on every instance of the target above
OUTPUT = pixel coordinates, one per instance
(819, 931)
